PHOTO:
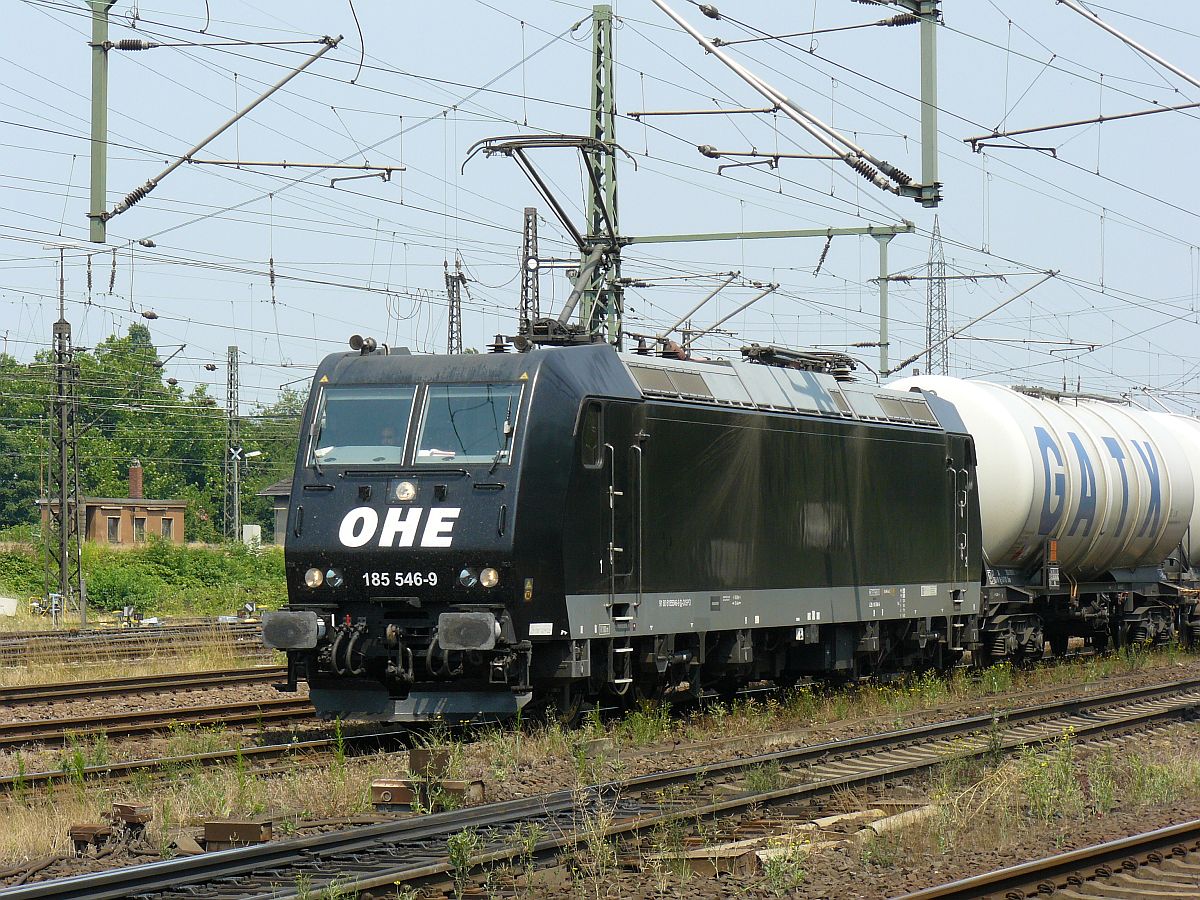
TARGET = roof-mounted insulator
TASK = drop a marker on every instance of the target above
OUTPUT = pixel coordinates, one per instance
(131, 44)
(709, 10)
(902, 19)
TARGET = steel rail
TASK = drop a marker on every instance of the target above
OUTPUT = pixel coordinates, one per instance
(153, 720)
(413, 849)
(1067, 870)
(261, 752)
(70, 690)
(142, 632)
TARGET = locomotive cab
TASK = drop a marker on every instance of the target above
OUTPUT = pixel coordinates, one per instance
(400, 539)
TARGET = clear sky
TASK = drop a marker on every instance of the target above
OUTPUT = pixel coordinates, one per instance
(1115, 211)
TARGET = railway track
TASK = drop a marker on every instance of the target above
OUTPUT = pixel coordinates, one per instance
(414, 850)
(17, 648)
(1160, 863)
(109, 687)
(17, 734)
(264, 759)
(260, 760)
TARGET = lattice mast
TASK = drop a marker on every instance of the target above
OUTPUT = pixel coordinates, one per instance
(602, 306)
(937, 327)
(531, 304)
(454, 285)
(62, 540)
(233, 449)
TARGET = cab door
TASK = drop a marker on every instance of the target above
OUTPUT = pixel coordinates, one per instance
(623, 454)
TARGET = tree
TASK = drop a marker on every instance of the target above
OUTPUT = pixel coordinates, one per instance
(127, 411)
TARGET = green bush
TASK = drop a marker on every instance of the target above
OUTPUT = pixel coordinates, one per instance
(159, 577)
(113, 586)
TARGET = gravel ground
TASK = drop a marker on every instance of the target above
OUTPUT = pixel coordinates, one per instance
(540, 775)
(191, 739)
(829, 875)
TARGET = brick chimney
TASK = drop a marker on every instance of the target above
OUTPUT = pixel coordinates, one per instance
(135, 480)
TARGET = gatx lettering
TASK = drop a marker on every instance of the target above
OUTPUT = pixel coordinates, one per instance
(1054, 479)
(401, 527)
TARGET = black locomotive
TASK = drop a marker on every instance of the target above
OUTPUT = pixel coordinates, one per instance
(469, 534)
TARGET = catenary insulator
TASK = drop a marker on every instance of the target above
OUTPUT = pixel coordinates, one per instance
(134, 44)
(711, 11)
(902, 19)
(138, 193)
(897, 175)
(864, 168)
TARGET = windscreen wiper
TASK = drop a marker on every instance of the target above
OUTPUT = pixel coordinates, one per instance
(507, 436)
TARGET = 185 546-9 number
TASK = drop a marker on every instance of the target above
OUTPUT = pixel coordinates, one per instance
(400, 579)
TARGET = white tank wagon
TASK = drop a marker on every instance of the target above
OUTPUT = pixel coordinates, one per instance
(1187, 431)
(1098, 494)
(1114, 485)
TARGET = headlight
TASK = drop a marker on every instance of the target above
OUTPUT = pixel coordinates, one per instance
(467, 578)
(405, 491)
(489, 577)
(334, 579)
(314, 578)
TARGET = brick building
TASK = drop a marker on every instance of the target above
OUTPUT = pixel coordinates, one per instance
(128, 520)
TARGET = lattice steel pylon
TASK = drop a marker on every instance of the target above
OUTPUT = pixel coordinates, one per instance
(233, 449)
(937, 327)
(63, 534)
(531, 304)
(603, 303)
(454, 283)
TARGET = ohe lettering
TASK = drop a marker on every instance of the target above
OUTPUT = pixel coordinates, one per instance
(400, 527)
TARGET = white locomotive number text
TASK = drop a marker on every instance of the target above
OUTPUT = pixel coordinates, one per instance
(400, 579)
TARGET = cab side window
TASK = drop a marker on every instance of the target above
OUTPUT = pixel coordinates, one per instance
(591, 441)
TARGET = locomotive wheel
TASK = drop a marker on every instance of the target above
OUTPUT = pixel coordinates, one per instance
(567, 705)
(560, 703)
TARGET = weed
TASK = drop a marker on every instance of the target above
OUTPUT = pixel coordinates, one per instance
(1049, 784)
(879, 850)
(649, 723)
(1102, 781)
(75, 765)
(764, 778)
(20, 788)
(527, 836)
(339, 750)
(1158, 783)
(461, 848)
(593, 722)
(441, 800)
(784, 872)
(997, 679)
(995, 741)
(239, 768)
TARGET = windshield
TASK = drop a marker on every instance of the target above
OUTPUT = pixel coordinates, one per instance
(465, 423)
(362, 425)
